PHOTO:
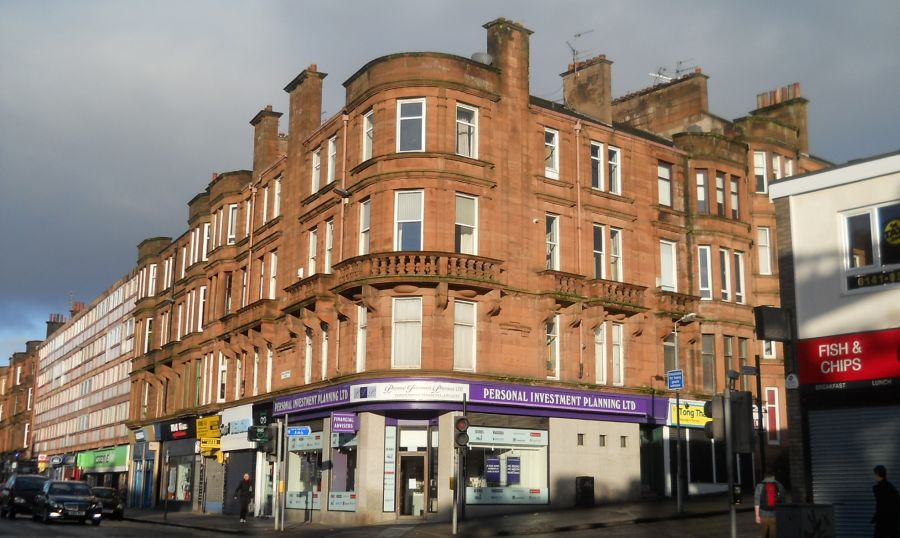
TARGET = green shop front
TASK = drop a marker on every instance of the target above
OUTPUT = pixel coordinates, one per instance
(107, 467)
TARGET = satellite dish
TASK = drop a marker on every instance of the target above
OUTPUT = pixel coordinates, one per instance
(483, 58)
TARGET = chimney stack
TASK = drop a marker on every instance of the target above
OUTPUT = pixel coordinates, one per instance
(508, 45)
(54, 323)
(587, 88)
(265, 139)
(786, 104)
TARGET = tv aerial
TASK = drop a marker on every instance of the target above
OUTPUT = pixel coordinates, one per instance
(577, 54)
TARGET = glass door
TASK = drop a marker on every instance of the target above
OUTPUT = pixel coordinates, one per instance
(411, 489)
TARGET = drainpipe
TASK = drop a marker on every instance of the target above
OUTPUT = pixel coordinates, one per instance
(578, 219)
(337, 337)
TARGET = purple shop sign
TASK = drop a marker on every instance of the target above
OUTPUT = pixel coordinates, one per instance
(344, 423)
(316, 399)
(492, 471)
(569, 400)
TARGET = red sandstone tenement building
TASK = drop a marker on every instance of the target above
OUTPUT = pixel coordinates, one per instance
(449, 238)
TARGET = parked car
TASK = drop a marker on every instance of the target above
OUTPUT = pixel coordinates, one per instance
(17, 494)
(110, 502)
(66, 499)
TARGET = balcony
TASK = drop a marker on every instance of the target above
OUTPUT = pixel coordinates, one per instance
(253, 313)
(560, 283)
(418, 266)
(312, 286)
(676, 304)
(616, 296)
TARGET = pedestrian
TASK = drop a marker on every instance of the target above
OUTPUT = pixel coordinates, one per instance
(244, 493)
(887, 505)
(769, 493)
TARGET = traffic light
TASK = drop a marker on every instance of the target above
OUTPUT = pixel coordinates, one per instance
(715, 409)
(461, 436)
(742, 421)
(258, 434)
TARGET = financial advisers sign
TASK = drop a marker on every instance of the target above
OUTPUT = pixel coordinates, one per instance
(870, 359)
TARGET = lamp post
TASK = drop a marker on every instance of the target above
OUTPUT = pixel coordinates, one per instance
(168, 487)
(679, 472)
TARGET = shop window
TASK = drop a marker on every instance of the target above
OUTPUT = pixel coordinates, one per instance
(179, 478)
(871, 246)
(507, 466)
(304, 480)
(342, 493)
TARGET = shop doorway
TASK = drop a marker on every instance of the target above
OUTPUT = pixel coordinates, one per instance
(411, 489)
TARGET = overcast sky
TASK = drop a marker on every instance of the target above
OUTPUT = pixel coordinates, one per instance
(114, 114)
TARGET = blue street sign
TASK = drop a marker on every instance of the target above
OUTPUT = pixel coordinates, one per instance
(675, 379)
(299, 431)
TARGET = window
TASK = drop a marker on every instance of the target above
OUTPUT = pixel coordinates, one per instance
(308, 356)
(705, 265)
(276, 203)
(273, 275)
(870, 244)
(261, 289)
(265, 207)
(255, 382)
(788, 167)
(742, 361)
(664, 179)
(618, 354)
(725, 274)
(552, 239)
(728, 352)
(238, 378)
(148, 334)
(739, 277)
(466, 224)
(316, 170)
(223, 377)
(313, 251)
(668, 280)
(764, 251)
(720, 194)
(365, 222)
(552, 344)
(623, 441)
(467, 131)
(368, 134)
(599, 261)
(329, 244)
(735, 198)
(407, 333)
(551, 153)
(616, 271)
(776, 166)
(362, 323)
(708, 362)
(206, 236)
(332, 159)
(411, 125)
(30, 397)
(25, 443)
(324, 351)
(759, 171)
(602, 440)
(670, 352)
(228, 284)
(614, 169)
(218, 223)
(151, 289)
(773, 421)
(247, 217)
(270, 358)
(702, 203)
(408, 218)
(464, 336)
(232, 224)
(597, 166)
(201, 309)
(244, 294)
(768, 349)
(600, 358)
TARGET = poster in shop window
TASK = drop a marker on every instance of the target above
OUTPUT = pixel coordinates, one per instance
(513, 470)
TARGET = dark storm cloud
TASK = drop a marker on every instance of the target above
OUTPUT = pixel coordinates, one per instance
(114, 114)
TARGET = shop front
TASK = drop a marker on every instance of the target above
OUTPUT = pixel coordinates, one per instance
(239, 453)
(210, 494)
(179, 464)
(266, 475)
(144, 450)
(106, 467)
(383, 449)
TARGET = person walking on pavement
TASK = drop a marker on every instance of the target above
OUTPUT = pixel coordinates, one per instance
(769, 493)
(244, 493)
(887, 506)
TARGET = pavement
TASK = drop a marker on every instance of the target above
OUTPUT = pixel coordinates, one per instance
(523, 524)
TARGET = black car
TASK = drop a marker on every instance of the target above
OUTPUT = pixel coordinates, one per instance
(17, 494)
(66, 499)
(110, 502)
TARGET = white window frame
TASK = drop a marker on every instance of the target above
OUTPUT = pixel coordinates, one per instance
(618, 354)
(725, 274)
(776, 166)
(329, 244)
(760, 172)
(323, 351)
(616, 258)
(599, 253)
(248, 216)
(598, 178)
(148, 333)
(396, 346)
(668, 282)
(222, 392)
(769, 349)
(316, 172)
(231, 236)
(273, 274)
(401, 119)
(261, 289)
(330, 174)
(551, 153)
(238, 377)
(552, 241)
(614, 169)
(702, 179)
(270, 364)
(398, 238)
(721, 208)
(365, 226)
(551, 330)
(204, 253)
(308, 356)
(362, 324)
(464, 360)
(773, 438)
(704, 253)
(739, 288)
(368, 134)
(664, 184)
(276, 202)
(471, 129)
(201, 309)
(255, 371)
(764, 249)
(878, 264)
(313, 251)
(788, 167)
(459, 225)
(735, 198)
(601, 358)
(151, 287)
(265, 207)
